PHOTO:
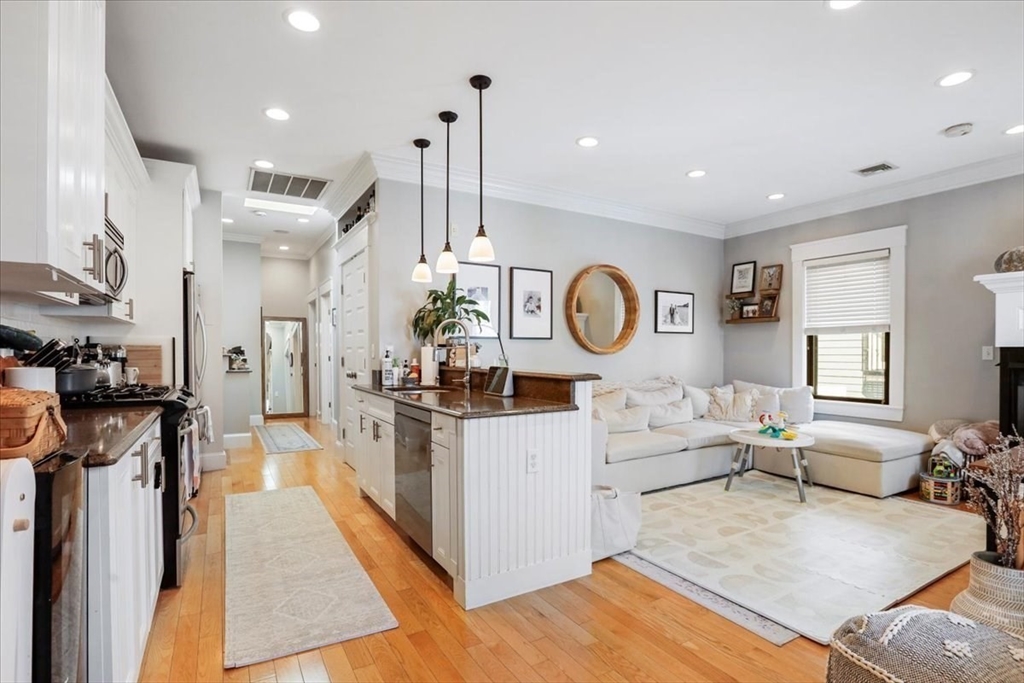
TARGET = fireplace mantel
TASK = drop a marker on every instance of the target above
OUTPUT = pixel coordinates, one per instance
(1009, 291)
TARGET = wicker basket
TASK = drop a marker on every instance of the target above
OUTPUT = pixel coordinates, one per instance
(30, 424)
(940, 491)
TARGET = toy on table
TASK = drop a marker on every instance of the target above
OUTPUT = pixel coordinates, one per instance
(774, 426)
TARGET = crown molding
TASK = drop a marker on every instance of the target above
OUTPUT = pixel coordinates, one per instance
(241, 237)
(121, 141)
(408, 171)
(342, 195)
(943, 181)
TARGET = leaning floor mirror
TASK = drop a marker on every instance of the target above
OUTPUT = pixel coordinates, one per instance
(285, 376)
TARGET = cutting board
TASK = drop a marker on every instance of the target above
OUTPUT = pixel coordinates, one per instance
(150, 362)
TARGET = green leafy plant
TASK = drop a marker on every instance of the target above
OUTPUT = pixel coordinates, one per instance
(442, 305)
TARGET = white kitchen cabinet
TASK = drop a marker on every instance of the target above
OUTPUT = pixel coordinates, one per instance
(125, 559)
(386, 458)
(443, 490)
(51, 160)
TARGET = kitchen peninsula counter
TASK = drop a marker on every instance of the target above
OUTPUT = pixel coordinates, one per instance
(106, 434)
(452, 401)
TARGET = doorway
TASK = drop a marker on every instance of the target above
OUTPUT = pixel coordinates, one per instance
(325, 346)
(354, 346)
(285, 388)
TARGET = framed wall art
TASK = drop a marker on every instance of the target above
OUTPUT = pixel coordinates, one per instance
(482, 283)
(673, 312)
(530, 304)
(771, 278)
(743, 278)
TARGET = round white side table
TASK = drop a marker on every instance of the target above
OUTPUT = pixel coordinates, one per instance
(744, 456)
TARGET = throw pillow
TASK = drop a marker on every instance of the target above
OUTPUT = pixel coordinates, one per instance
(627, 420)
(701, 398)
(613, 400)
(732, 407)
(671, 413)
(767, 403)
(796, 402)
(635, 397)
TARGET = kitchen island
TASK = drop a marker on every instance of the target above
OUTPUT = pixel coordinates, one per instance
(496, 490)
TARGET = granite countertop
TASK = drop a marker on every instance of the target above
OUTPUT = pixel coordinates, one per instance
(453, 402)
(106, 434)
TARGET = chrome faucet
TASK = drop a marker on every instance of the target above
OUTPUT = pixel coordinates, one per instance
(465, 329)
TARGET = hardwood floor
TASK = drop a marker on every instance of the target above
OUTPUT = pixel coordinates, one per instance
(614, 625)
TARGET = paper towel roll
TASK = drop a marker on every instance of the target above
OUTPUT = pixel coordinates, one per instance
(37, 379)
(428, 366)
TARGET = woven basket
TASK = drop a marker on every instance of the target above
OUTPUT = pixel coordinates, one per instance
(30, 424)
(994, 596)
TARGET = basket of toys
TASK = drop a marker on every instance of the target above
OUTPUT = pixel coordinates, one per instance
(941, 482)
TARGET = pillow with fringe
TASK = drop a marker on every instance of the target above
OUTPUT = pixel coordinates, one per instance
(730, 406)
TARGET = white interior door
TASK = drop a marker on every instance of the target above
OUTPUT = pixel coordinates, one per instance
(326, 355)
(355, 342)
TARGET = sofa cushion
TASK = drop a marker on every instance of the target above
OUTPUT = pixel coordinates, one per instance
(626, 420)
(865, 442)
(727, 405)
(700, 433)
(671, 413)
(634, 445)
(701, 398)
(796, 402)
(652, 397)
(613, 400)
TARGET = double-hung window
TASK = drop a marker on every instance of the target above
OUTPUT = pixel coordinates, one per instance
(848, 323)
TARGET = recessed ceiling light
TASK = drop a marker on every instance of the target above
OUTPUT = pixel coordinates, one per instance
(263, 163)
(286, 207)
(227, 220)
(261, 214)
(281, 232)
(303, 220)
(777, 195)
(1016, 130)
(955, 78)
(277, 114)
(696, 173)
(587, 141)
(842, 4)
(302, 20)
(283, 247)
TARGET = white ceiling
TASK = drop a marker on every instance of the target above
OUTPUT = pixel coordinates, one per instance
(765, 96)
(302, 239)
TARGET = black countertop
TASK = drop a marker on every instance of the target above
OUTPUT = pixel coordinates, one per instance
(106, 434)
(453, 402)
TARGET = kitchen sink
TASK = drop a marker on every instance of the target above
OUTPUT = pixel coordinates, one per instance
(420, 390)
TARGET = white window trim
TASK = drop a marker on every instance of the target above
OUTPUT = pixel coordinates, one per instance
(895, 240)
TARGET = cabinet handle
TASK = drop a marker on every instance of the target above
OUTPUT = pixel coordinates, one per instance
(131, 309)
(143, 476)
(362, 427)
(438, 429)
(96, 269)
(376, 431)
(21, 524)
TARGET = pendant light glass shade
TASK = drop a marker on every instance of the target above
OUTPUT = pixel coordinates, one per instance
(481, 250)
(421, 273)
(446, 262)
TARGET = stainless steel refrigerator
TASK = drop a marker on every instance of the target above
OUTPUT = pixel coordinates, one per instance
(195, 346)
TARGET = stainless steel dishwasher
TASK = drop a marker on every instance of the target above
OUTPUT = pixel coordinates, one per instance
(412, 474)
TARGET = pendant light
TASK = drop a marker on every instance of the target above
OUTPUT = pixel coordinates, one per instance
(421, 273)
(481, 249)
(446, 262)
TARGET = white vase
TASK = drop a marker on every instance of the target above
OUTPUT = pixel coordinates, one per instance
(994, 596)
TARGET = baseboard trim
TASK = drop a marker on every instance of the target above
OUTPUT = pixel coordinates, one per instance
(238, 440)
(255, 420)
(214, 461)
(506, 585)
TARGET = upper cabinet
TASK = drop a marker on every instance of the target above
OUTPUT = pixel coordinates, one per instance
(52, 158)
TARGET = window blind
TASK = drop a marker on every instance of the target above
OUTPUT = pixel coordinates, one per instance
(847, 294)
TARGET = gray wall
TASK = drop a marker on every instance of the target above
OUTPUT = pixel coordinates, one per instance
(951, 237)
(241, 324)
(532, 236)
(285, 284)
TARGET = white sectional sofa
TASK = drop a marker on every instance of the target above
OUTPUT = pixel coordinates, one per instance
(680, 443)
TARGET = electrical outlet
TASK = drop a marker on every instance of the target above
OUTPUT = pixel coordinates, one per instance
(986, 353)
(532, 461)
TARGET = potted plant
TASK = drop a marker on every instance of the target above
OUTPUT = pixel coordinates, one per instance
(442, 305)
(733, 306)
(995, 488)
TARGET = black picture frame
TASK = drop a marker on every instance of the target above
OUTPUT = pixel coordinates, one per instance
(741, 290)
(667, 299)
(472, 275)
(523, 281)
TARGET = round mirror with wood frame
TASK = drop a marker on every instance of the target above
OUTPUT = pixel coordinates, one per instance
(579, 320)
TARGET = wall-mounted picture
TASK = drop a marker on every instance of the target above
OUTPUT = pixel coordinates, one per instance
(749, 311)
(674, 312)
(771, 278)
(530, 305)
(482, 284)
(767, 306)
(743, 277)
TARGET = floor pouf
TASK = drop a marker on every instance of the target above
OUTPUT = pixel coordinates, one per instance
(919, 645)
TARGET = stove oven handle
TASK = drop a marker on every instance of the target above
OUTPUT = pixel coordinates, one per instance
(200, 324)
(195, 523)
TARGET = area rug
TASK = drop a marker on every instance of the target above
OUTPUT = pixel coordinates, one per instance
(286, 437)
(808, 567)
(753, 622)
(291, 581)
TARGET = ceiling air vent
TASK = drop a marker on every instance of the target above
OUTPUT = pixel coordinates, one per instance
(876, 169)
(286, 185)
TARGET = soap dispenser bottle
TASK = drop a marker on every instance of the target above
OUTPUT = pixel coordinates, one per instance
(387, 367)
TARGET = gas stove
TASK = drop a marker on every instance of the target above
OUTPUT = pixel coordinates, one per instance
(139, 394)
